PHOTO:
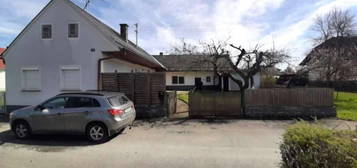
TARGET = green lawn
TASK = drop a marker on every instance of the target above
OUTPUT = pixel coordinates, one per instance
(183, 96)
(346, 105)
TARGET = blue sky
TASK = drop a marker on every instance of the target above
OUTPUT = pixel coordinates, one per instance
(164, 23)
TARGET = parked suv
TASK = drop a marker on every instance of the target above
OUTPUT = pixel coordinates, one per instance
(96, 114)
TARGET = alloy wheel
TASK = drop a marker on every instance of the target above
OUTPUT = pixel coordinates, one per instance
(96, 133)
(21, 130)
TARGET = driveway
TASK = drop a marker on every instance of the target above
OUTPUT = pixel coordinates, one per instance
(183, 143)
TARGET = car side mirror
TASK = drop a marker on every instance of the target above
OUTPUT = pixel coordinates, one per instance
(40, 108)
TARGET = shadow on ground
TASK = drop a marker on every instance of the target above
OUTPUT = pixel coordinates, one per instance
(163, 122)
(46, 142)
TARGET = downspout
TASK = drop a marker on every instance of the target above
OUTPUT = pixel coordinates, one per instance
(99, 71)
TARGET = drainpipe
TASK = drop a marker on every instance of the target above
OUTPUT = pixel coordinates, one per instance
(99, 70)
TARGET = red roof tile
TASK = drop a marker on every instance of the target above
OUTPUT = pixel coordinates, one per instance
(2, 64)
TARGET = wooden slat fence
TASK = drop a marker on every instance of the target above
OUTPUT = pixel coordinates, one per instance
(316, 97)
(143, 88)
(214, 104)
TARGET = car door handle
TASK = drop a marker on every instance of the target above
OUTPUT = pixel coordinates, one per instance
(87, 112)
(59, 114)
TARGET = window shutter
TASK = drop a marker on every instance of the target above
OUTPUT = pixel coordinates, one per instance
(70, 78)
(31, 79)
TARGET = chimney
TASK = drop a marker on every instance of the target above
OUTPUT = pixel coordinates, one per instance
(124, 31)
(161, 53)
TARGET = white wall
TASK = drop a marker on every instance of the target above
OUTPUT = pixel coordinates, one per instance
(234, 86)
(189, 77)
(123, 66)
(31, 51)
(2, 80)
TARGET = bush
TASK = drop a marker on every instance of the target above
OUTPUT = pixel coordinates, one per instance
(312, 146)
(268, 82)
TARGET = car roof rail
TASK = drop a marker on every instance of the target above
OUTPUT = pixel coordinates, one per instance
(82, 93)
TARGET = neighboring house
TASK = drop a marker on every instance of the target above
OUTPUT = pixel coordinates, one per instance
(347, 68)
(2, 72)
(185, 71)
(64, 48)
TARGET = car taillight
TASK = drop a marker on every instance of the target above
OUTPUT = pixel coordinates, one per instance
(115, 112)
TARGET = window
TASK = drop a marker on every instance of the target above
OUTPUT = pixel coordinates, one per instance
(70, 78)
(118, 100)
(178, 80)
(73, 31)
(55, 103)
(181, 80)
(31, 79)
(78, 102)
(47, 31)
(208, 79)
(174, 80)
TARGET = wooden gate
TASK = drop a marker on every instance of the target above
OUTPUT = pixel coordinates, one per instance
(142, 88)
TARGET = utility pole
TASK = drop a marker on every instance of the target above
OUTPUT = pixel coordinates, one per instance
(136, 33)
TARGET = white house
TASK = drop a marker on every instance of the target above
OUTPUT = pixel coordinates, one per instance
(184, 72)
(64, 48)
(2, 72)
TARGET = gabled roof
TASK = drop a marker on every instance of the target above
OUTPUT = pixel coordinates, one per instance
(2, 63)
(331, 43)
(191, 63)
(107, 31)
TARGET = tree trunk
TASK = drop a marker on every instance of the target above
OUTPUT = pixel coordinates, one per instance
(242, 101)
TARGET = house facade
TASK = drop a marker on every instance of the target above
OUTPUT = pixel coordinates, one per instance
(184, 72)
(64, 48)
(2, 72)
(323, 60)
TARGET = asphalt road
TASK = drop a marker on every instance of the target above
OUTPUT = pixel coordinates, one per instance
(192, 143)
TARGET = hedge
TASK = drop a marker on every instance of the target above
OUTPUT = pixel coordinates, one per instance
(312, 146)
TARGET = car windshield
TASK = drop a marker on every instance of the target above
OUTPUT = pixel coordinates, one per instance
(118, 100)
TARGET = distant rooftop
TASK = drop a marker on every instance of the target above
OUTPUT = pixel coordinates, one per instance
(2, 63)
(190, 63)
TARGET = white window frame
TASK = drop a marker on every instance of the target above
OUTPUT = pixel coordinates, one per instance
(79, 28)
(210, 79)
(178, 80)
(52, 30)
(22, 79)
(70, 67)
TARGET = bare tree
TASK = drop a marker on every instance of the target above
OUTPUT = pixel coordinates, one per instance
(243, 66)
(332, 58)
(336, 23)
(184, 48)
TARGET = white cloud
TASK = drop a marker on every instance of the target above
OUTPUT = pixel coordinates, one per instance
(16, 14)
(163, 23)
(292, 38)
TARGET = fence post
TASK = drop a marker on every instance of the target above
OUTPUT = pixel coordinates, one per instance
(117, 87)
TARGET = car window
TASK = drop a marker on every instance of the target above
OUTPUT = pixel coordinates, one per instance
(77, 102)
(55, 103)
(118, 100)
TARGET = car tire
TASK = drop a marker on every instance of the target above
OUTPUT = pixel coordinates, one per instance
(22, 130)
(97, 133)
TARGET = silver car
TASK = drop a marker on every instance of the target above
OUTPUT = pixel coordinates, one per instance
(95, 114)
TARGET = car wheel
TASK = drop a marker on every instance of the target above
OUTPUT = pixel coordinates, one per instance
(97, 133)
(22, 130)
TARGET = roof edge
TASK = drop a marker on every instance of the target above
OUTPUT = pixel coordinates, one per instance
(26, 27)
